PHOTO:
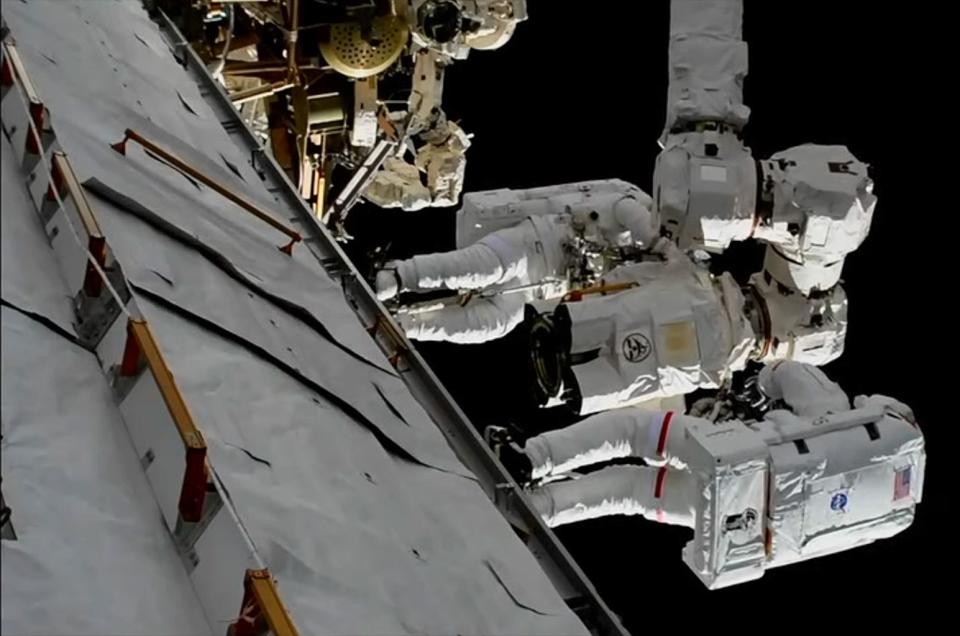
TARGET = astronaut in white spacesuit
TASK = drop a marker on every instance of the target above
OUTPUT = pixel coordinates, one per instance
(681, 328)
(543, 235)
(813, 476)
(441, 31)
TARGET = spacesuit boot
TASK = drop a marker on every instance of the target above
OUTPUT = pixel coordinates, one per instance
(510, 453)
(387, 283)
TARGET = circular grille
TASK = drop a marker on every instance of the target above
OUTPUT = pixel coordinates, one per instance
(348, 53)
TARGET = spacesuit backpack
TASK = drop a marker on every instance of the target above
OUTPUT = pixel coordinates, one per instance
(792, 488)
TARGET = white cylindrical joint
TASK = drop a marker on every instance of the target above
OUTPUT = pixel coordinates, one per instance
(804, 277)
(633, 215)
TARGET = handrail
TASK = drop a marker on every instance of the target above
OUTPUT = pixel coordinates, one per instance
(195, 173)
(262, 604)
(64, 178)
(12, 69)
(141, 350)
(603, 289)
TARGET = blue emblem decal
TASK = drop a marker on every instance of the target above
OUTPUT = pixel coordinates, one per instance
(839, 502)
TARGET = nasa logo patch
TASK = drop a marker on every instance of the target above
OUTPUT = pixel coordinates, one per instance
(636, 347)
(839, 502)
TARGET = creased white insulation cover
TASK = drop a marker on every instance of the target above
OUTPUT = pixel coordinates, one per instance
(307, 430)
(92, 555)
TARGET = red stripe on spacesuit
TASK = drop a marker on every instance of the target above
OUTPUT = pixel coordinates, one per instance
(662, 473)
(661, 476)
(658, 493)
(664, 429)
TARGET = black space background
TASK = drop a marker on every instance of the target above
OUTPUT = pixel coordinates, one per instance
(579, 93)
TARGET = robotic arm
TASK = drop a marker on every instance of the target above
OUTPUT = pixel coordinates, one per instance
(815, 206)
(439, 147)
(811, 204)
(454, 27)
(705, 178)
(708, 61)
(442, 31)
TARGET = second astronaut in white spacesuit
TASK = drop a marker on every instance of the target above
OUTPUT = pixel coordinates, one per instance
(814, 476)
(529, 260)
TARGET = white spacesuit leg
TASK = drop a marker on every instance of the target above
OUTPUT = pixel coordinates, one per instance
(472, 267)
(481, 320)
(497, 258)
(655, 437)
(805, 388)
(659, 494)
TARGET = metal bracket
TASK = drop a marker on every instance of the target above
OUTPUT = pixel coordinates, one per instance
(262, 611)
(96, 314)
(186, 533)
(336, 215)
(142, 351)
